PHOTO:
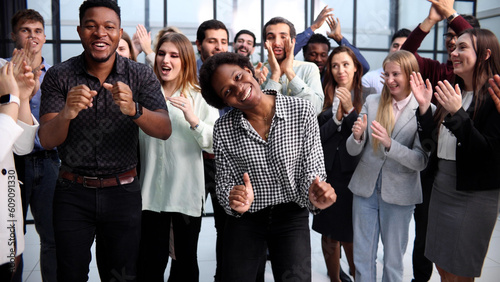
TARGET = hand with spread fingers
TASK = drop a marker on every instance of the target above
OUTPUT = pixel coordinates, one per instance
(448, 96)
(123, 97)
(380, 133)
(494, 90)
(359, 127)
(335, 32)
(422, 91)
(184, 104)
(321, 18)
(241, 196)
(321, 194)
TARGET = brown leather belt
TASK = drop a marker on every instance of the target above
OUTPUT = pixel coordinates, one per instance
(208, 156)
(100, 182)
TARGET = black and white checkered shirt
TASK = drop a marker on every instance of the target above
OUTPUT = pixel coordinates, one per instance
(281, 169)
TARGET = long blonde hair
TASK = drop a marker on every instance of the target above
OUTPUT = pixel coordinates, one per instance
(188, 77)
(385, 115)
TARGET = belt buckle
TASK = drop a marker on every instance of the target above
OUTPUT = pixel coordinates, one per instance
(85, 178)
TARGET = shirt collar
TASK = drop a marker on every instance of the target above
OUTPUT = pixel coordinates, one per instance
(402, 104)
(118, 67)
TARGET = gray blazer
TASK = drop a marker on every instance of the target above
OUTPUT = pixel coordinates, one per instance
(399, 166)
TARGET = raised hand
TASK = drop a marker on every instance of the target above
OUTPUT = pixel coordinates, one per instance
(320, 19)
(345, 99)
(142, 40)
(122, 95)
(273, 62)
(79, 98)
(321, 194)
(359, 127)
(184, 104)
(494, 90)
(335, 32)
(380, 133)
(443, 7)
(450, 98)
(287, 64)
(261, 72)
(241, 196)
(8, 84)
(422, 91)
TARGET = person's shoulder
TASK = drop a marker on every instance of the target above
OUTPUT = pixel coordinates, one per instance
(294, 105)
(305, 65)
(373, 98)
(71, 65)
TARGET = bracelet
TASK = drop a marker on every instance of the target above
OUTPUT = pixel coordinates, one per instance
(452, 17)
(196, 126)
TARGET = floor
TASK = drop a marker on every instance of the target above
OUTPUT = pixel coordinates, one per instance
(206, 257)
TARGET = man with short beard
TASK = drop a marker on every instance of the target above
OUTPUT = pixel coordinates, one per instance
(212, 37)
(244, 43)
(92, 108)
(286, 75)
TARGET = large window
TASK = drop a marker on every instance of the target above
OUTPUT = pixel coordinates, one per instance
(367, 24)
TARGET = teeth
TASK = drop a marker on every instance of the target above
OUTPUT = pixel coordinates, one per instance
(247, 94)
(100, 44)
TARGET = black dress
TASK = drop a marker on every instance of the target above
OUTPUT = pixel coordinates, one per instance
(335, 222)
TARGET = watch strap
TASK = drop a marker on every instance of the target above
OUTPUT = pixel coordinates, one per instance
(9, 98)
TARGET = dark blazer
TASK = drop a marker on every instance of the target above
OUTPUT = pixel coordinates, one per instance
(478, 143)
(333, 140)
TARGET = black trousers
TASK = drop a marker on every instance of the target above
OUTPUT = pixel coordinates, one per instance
(219, 214)
(422, 267)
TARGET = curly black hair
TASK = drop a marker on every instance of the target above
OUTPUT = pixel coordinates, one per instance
(208, 69)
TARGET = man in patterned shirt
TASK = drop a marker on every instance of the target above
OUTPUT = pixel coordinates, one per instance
(92, 108)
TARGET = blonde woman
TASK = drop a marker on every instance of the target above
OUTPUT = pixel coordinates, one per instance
(386, 182)
(172, 179)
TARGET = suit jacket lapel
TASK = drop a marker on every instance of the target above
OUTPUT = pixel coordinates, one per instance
(406, 116)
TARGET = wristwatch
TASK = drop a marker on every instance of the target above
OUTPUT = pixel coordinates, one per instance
(7, 99)
(452, 17)
(138, 111)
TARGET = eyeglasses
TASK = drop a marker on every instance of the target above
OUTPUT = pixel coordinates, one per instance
(449, 36)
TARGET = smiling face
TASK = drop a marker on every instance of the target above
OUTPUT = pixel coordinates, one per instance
(464, 57)
(29, 30)
(396, 81)
(168, 62)
(236, 86)
(100, 33)
(123, 49)
(276, 35)
(343, 69)
(215, 42)
(244, 45)
(317, 53)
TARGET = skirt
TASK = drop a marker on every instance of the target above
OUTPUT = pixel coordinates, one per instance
(335, 222)
(460, 224)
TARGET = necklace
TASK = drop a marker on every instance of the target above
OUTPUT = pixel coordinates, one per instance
(266, 118)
